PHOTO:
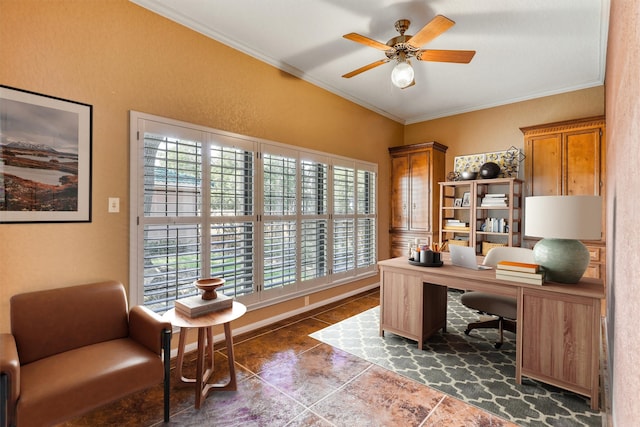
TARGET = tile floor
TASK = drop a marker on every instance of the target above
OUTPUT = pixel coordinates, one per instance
(286, 378)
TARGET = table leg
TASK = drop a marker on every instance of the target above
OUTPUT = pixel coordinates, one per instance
(200, 366)
(180, 359)
(232, 384)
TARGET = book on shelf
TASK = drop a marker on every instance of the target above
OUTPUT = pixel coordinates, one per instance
(518, 266)
(531, 280)
(494, 199)
(455, 223)
(494, 225)
(195, 306)
(493, 202)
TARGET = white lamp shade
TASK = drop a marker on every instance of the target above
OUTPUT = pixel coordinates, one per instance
(563, 217)
(402, 75)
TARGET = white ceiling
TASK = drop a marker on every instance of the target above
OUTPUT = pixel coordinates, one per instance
(525, 49)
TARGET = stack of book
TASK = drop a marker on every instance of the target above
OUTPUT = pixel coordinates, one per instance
(196, 306)
(532, 274)
(494, 200)
(456, 224)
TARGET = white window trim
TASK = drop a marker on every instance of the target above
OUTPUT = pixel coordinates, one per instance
(202, 133)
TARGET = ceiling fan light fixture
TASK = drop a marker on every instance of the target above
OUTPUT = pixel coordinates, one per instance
(402, 75)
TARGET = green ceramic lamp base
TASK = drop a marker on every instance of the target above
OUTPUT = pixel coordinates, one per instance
(564, 260)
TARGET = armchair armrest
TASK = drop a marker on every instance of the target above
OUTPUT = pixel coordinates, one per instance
(9, 377)
(146, 327)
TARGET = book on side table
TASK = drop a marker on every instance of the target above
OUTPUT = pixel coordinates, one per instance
(196, 306)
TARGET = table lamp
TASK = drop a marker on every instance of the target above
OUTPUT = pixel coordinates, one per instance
(561, 221)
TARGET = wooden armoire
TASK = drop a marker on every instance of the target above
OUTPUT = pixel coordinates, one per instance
(568, 158)
(416, 170)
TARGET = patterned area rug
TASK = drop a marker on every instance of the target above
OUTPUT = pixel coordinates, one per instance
(466, 367)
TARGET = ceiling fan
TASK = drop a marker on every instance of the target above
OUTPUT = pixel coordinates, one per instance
(403, 47)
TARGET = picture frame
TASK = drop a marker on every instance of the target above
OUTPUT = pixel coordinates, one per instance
(457, 203)
(466, 199)
(45, 158)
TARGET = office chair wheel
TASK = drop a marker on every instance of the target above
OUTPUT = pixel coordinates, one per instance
(467, 331)
(498, 345)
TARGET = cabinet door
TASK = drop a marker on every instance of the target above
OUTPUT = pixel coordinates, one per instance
(560, 340)
(400, 178)
(544, 165)
(582, 159)
(420, 192)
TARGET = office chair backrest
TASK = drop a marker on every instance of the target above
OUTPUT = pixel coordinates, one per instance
(508, 253)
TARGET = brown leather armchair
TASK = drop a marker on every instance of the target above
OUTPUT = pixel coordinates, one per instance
(74, 349)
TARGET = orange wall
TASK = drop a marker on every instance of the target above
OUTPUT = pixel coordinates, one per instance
(118, 57)
(498, 128)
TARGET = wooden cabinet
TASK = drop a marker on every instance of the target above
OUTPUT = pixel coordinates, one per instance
(493, 215)
(415, 172)
(568, 158)
(565, 158)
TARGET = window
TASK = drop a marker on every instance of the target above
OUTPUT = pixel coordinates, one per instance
(274, 221)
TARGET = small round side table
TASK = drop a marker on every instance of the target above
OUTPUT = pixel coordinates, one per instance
(205, 324)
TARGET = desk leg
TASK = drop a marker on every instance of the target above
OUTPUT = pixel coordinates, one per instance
(519, 335)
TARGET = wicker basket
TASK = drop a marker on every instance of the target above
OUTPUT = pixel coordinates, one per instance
(487, 246)
(458, 242)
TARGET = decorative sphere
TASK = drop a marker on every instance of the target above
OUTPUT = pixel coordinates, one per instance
(489, 170)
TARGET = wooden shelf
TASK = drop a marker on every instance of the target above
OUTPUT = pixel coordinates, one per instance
(475, 214)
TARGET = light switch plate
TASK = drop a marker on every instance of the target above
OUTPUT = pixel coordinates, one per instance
(114, 204)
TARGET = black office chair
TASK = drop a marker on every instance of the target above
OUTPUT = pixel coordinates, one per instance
(503, 309)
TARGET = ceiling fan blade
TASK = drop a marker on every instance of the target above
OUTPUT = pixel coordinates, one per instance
(367, 41)
(365, 68)
(458, 56)
(433, 29)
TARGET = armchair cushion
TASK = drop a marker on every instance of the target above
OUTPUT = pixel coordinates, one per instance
(83, 379)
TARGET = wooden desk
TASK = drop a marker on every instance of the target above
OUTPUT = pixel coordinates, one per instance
(558, 328)
(205, 324)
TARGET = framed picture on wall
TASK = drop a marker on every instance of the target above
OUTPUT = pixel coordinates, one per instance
(466, 199)
(45, 158)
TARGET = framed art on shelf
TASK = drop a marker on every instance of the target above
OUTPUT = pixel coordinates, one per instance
(466, 199)
(457, 203)
(45, 158)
